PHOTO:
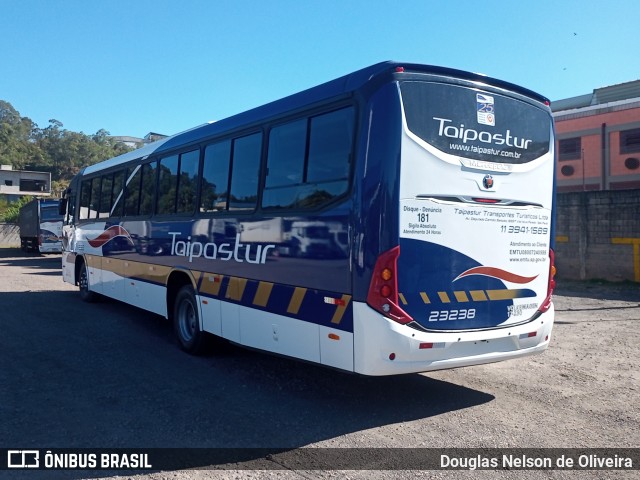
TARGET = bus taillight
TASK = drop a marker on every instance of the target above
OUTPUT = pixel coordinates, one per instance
(546, 305)
(383, 290)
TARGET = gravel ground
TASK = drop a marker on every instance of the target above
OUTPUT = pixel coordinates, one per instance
(582, 392)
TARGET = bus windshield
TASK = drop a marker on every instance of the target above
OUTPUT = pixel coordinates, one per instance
(468, 122)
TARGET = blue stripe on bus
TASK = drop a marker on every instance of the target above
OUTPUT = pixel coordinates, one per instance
(325, 308)
(427, 288)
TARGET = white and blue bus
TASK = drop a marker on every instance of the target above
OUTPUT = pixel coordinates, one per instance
(398, 219)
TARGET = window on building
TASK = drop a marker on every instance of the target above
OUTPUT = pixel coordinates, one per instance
(570, 149)
(630, 141)
(32, 185)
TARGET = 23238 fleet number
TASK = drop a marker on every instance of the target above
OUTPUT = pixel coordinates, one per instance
(449, 315)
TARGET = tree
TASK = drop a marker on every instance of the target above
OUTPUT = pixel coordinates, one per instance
(52, 149)
(16, 146)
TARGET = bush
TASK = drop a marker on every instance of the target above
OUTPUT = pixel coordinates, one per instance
(9, 211)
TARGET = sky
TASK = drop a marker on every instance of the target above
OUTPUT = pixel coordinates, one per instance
(137, 66)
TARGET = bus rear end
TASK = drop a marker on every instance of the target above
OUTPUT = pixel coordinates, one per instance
(50, 227)
(470, 281)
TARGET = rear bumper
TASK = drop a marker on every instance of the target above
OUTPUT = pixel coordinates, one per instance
(51, 248)
(384, 347)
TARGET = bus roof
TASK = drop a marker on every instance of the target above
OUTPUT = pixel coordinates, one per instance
(343, 86)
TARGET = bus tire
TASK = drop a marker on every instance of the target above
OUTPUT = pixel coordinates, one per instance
(83, 284)
(186, 322)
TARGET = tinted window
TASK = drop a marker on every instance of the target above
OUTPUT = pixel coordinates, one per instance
(132, 198)
(49, 214)
(148, 188)
(105, 200)
(286, 157)
(118, 193)
(188, 181)
(309, 161)
(330, 146)
(167, 185)
(85, 199)
(95, 198)
(246, 168)
(215, 177)
(468, 123)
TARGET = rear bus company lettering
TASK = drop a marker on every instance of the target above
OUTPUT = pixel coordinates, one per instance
(222, 251)
(471, 135)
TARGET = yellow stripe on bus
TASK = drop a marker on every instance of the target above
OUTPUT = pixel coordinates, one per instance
(461, 296)
(263, 293)
(296, 300)
(503, 294)
(444, 297)
(236, 287)
(402, 299)
(340, 309)
(478, 295)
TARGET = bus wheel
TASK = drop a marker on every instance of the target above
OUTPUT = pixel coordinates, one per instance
(83, 283)
(186, 322)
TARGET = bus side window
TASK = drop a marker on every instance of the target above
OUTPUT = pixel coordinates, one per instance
(330, 146)
(167, 185)
(132, 199)
(94, 205)
(188, 182)
(118, 193)
(303, 175)
(214, 184)
(148, 188)
(69, 204)
(105, 201)
(245, 172)
(285, 164)
(85, 199)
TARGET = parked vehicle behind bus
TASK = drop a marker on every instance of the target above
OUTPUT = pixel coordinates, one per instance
(40, 226)
(398, 219)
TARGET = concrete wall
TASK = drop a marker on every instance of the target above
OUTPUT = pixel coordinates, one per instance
(9, 235)
(598, 235)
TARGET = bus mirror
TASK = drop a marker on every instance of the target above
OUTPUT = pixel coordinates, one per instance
(62, 206)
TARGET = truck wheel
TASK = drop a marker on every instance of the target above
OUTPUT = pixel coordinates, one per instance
(83, 283)
(186, 322)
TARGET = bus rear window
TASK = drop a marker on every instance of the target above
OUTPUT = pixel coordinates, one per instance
(470, 123)
(50, 214)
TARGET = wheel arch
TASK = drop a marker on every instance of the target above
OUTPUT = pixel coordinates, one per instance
(79, 261)
(176, 280)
